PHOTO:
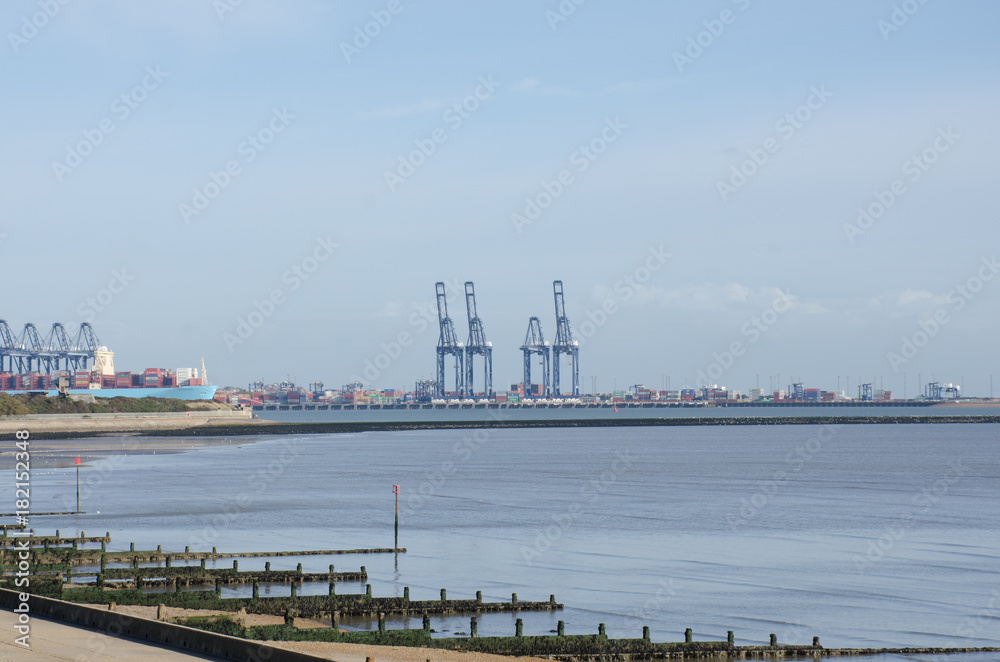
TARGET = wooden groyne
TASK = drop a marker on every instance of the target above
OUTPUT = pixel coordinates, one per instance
(52, 541)
(568, 648)
(46, 551)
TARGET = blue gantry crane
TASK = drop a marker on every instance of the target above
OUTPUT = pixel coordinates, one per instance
(534, 343)
(28, 352)
(564, 344)
(448, 345)
(477, 345)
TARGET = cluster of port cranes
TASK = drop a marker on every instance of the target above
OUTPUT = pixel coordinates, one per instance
(29, 352)
(450, 345)
(477, 345)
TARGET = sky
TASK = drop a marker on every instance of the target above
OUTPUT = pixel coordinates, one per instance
(733, 192)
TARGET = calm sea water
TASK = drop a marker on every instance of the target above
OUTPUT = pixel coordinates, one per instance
(865, 535)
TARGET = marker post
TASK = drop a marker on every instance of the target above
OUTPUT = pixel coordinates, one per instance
(77, 484)
(395, 491)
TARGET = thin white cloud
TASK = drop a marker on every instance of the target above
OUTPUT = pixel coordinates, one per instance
(391, 309)
(533, 85)
(638, 86)
(396, 112)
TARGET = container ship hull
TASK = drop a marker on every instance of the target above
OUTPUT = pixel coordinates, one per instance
(177, 393)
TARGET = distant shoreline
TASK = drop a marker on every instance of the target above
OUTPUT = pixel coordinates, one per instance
(154, 426)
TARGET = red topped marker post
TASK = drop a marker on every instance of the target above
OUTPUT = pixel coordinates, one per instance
(395, 491)
(77, 484)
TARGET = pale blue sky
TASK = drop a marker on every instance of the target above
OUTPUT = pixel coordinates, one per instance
(345, 124)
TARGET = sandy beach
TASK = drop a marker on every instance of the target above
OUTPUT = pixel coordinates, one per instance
(328, 650)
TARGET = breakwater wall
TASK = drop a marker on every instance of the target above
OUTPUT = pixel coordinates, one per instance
(174, 636)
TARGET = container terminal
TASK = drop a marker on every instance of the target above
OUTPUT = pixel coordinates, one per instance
(57, 364)
(81, 365)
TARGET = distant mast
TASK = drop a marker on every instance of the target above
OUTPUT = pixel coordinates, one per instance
(204, 375)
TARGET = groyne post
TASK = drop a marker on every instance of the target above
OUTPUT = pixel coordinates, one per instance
(444, 595)
(645, 632)
(236, 565)
(729, 637)
(601, 631)
(518, 628)
(513, 598)
(687, 636)
(256, 590)
(774, 640)
(368, 591)
(332, 589)
(479, 597)
(267, 566)
(427, 622)
(381, 621)
(335, 619)
(560, 629)
(406, 594)
(293, 590)
(473, 628)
